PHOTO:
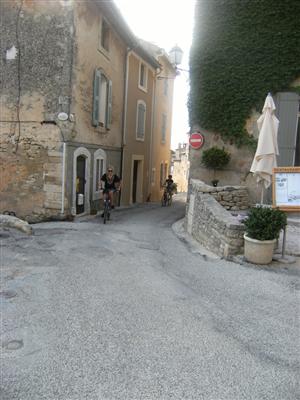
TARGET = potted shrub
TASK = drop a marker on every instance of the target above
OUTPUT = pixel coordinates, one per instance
(215, 158)
(263, 226)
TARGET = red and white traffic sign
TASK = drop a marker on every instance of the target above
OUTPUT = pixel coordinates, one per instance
(196, 140)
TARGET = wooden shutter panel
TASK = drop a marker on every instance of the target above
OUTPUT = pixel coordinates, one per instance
(287, 106)
(96, 98)
(141, 121)
(109, 106)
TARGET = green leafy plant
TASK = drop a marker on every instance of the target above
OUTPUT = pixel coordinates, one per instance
(215, 158)
(264, 223)
(241, 51)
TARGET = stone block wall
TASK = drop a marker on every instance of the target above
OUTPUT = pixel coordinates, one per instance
(211, 224)
(233, 198)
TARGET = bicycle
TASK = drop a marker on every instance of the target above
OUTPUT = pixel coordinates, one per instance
(107, 209)
(166, 199)
(107, 206)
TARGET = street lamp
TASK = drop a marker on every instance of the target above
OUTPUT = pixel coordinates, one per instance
(175, 57)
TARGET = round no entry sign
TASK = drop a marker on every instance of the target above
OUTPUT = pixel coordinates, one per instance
(196, 140)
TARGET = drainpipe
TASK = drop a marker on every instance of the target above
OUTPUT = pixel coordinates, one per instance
(124, 122)
(153, 116)
(62, 211)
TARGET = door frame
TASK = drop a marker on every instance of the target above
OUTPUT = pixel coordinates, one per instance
(140, 178)
(82, 151)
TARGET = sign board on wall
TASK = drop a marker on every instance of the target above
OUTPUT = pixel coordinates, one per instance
(196, 140)
(286, 188)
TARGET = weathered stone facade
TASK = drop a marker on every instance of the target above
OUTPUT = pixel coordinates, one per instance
(210, 223)
(35, 86)
(64, 63)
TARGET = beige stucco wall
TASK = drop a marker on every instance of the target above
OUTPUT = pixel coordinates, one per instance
(163, 105)
(89, 57)
(135, 148)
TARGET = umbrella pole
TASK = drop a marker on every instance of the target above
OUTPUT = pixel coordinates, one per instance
(262, 194)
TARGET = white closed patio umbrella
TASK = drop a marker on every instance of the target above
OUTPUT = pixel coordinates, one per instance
(267, 147)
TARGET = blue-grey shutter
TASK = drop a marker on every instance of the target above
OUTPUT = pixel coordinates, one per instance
(141, 121)
(96, 97)
(109, 105)
(287, 106)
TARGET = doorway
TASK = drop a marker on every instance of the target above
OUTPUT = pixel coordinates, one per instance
(137, 179)
(134, 180)
(80, 184)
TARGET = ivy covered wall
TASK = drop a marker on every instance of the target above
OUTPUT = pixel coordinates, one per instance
(242, 49)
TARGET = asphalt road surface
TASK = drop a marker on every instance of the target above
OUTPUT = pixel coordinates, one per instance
(127, 311)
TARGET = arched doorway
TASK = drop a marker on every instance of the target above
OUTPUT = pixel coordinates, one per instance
(80, 184)
(81, 181)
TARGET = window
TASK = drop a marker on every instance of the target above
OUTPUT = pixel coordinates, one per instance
(105, 34)
(140, 120)
(99, 170)
(153, 176)
(102, 102)
(143, 77)
(163, 128)
(165, 172)
(161, 176)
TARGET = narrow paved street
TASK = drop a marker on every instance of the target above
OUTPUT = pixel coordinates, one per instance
(127, 311)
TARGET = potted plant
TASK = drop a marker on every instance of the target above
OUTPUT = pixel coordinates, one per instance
(215, 158)
(263, 226)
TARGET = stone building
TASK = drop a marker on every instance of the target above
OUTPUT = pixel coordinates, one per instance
(63, 104)
(238, 170)
(180, 166)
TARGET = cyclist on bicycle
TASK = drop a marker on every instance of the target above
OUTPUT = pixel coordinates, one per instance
(110, 183)
(169, 185)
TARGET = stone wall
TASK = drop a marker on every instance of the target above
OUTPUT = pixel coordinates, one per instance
(232, 198)
(211, 224)
(37, 48)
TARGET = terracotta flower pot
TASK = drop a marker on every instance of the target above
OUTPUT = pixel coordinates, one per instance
(258, 251)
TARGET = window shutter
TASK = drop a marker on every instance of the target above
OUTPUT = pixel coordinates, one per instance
(141, 121)
(96, 98)
(109, 106)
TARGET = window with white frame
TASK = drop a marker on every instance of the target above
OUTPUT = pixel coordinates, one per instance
(163, 128)
(104, 35)
(99, 170)
(140, 120)
(102, 101)
(143, 76)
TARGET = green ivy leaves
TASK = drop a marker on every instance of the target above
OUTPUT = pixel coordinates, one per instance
(242, 49)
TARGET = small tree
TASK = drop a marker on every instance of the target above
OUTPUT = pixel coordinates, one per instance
(215, 158)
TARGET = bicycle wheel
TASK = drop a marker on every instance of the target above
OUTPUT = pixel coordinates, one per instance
(105, 212)
(169, 199)
(163, 200)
